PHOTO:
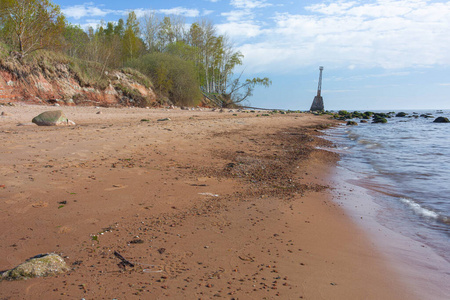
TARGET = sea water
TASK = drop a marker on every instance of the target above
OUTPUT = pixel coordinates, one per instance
(404, 166)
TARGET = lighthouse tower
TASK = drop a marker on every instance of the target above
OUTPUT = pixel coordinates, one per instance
(317, 104)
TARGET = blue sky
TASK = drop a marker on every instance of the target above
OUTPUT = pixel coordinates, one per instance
(378, 54)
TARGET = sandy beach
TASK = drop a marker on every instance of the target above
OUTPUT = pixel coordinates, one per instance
(205, 205)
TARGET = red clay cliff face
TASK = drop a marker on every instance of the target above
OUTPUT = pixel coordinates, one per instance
(63, 88)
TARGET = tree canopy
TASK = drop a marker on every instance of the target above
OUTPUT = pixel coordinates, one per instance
(206, 58)
(30, 25)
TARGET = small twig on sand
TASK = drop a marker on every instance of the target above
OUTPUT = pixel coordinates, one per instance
(124, 261)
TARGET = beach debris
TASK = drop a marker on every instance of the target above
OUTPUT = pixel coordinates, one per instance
(165, 119)
(159, 269)
(124, 262)
(37, 266)
(52, 118)
(441, 120)
(230, 165)
(209, 194)
(39, 204)
(99, 113)
(136, 241)
(161, 250)
(246, 258)
(5, 114)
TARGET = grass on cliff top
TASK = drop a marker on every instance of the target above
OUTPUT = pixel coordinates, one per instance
(51, 64)
(138, 77)
(4, 51)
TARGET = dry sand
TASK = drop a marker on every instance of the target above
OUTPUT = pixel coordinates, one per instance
(205, 205)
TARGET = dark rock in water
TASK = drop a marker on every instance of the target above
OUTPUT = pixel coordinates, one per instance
(379, 120)
(52, 118)
(441, 120)
(37, 266)
(351, 123)
(363, 121)
(401, 115)
(429, 116)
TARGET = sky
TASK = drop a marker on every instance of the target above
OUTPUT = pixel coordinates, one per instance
(378, 54)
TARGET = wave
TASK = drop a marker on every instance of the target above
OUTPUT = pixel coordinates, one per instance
(419, 210)
(369, 144)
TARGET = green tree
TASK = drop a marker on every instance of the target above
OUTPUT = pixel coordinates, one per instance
(239, 91)
(132, 44)
(182, 50)
(119, 28)
(76, 41)
(150, 29)
(32, 24)
(166, 34)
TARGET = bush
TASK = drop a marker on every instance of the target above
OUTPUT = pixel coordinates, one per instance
(171, 76)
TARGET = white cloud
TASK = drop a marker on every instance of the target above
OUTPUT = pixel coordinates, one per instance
(181, 11)
(237, 15)
(387, 34)
(86, 10)
(89, 10)
(239, 30)
(207, 12)
(249, 4)
(94, 23)
(371, 76)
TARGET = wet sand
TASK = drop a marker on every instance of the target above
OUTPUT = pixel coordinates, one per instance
(204, 205)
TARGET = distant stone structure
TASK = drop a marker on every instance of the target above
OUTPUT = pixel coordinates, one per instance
(317, 104)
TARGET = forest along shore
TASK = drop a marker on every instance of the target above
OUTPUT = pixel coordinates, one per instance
(204, 204)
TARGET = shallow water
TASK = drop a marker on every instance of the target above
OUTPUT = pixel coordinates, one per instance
(405, 167)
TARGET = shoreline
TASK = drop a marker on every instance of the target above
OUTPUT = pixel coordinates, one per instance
(419, 266)
(421, 263)
(225, 205)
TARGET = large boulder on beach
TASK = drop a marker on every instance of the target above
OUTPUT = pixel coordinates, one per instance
(441, 120)
(38, 266)
(52, 118)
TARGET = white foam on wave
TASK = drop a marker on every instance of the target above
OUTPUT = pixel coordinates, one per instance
(369, 144)
(419, 209)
